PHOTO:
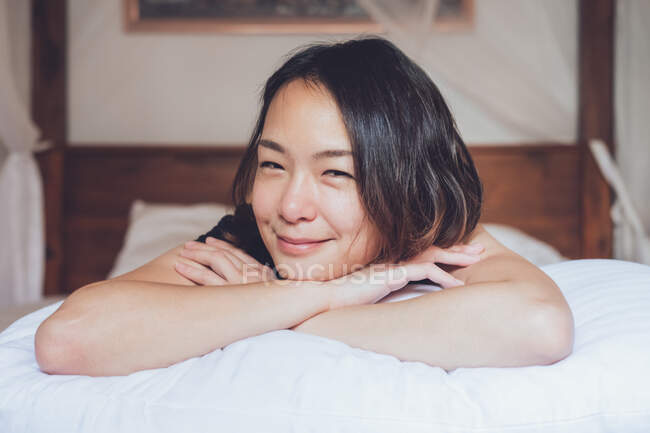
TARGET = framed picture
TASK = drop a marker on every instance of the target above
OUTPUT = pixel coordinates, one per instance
(273, 16)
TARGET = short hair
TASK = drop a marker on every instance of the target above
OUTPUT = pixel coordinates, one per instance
(417, 181)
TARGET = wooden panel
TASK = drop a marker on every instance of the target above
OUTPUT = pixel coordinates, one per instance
(102, 182)
(50, 163)
(49, 113)
(94, 242)
(596, 120)
(533, 188)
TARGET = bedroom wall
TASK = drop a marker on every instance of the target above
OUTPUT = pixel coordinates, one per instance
(203, 88)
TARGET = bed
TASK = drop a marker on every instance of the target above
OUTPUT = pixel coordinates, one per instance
(105, 210)
(283, 380)
(121, 210)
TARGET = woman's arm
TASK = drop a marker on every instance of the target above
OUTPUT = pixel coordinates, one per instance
(154, 317)
(119, 326)
(508, 314)
(479, 325)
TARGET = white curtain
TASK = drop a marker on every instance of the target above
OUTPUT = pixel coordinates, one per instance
(632, 114)
(630, 241)
(22, 252)
(518, 63)
(526, 52)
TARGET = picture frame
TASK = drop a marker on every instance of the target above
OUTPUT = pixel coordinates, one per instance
(273, 16)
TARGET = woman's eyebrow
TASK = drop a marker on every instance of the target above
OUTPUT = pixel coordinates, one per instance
(270, 144)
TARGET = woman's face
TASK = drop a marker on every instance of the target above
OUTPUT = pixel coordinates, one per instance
(305, 199)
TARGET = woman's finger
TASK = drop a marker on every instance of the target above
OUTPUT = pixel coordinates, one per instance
(213, 244)
(445, 279)
(231, 248)
(459, 254)
(227, 264)
(471, 248)
(462, 255)
(219, 261)
(460, 259)
(251, 269)
(231, 252)
(202, 277)
(464, 249)
(420, 271)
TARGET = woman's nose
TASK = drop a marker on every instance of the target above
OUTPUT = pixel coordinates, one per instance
(298, 202)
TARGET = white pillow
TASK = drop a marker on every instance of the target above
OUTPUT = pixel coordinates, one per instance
(532, 249)
(283, 381)
(155, 228)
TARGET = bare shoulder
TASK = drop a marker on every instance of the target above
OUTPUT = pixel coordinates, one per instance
(498, 263)
(159, 270)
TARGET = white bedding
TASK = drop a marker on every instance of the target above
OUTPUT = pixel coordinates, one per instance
(285, 381)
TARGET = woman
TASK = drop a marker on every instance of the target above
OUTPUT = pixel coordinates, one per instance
(355, 182)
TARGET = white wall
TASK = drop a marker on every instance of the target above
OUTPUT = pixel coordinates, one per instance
(201, 88)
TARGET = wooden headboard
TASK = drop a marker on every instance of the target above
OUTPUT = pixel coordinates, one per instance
(535, 188)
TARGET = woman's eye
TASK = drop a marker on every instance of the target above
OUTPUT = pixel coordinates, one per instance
(338, 173)
(270, 164)
(335, 173)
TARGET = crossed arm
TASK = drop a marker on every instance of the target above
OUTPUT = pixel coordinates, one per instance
(508, 314)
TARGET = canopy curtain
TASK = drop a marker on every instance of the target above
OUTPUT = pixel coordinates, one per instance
(22, 253)
(518, 62)
(632, 105)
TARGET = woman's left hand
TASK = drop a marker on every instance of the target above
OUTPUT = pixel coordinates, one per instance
(221, 263)
(457, 255)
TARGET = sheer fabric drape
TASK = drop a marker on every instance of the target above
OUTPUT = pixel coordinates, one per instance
(632, 113)
(22, 257)
(517, 63)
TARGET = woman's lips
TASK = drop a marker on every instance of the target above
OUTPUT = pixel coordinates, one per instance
(298, 248)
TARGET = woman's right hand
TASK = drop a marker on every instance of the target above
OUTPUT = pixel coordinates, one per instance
(218, 262)
(374, 282)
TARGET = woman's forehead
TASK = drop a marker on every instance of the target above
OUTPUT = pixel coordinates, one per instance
(302, 118)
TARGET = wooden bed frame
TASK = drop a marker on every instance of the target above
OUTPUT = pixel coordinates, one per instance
(551, 191)
(535, 188)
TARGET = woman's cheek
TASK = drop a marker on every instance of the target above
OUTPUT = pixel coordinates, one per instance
(344, 210)
(262, 199)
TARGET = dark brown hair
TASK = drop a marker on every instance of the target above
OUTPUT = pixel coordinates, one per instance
(417, 181)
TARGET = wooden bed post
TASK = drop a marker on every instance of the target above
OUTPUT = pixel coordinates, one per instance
(596, 120)
(49, 112)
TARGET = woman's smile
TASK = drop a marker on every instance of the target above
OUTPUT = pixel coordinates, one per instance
(301, 247)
